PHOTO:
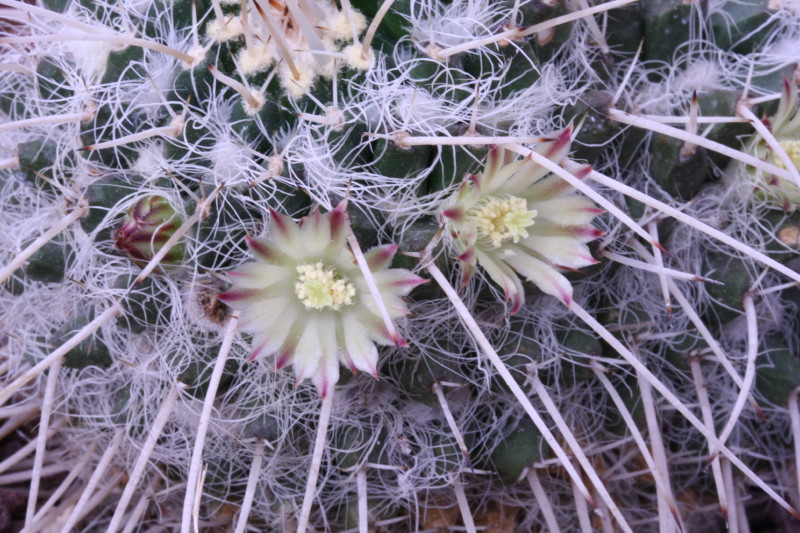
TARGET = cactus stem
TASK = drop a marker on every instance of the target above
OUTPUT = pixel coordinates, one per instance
(254, 100)
(688, 148)
(518, 33)
(514, 13)
(218, 10)
(195, 31)
(743, 110)
(373, 27)
(11, 162)
(52, 15)
(666, 119)
(541, 498)
(579, 454)
(695, 319)
(142, 461)
(74, 472)
(363, 499)
(11, 67)
(307, 28)
(749, 373)
(173, 130)
(46, 237)
(656, 440)
(192, 480)
(58, 353)
(686, 219)
(141, 506)
(316, 460)
(117, 39)
(373, 289)
(779, 288)
(594, 30)
(97, 474)
(662, 485)
(23, 452)
(670, 397)
(473, 119)
(280, 41)
(708, 419)
(347, 8)
(246, 29)
(27, 408)
(641, 122)
(662, 276)
(45, 120)
(404, 140)
(765, 98)
(657, 269)
(448, 415)
(733, 516)
(41, 441)
(628, 73)
(486, 347)
(794, 416)
(250, 491)
(582, 511)
(463, 505)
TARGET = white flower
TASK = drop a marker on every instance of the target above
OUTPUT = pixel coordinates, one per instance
(785, 126)
(515, 218)
(306, 301)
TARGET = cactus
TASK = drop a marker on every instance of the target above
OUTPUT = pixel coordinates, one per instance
(553, 244)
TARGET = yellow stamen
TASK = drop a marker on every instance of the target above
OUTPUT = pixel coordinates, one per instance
(792, 149)
(318, 287)
(499, 218)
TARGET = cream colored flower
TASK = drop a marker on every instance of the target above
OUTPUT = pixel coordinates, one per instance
(514, 218)
(306, 301)
(785, 126)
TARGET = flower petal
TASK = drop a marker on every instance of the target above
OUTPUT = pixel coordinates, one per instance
(266, 251)
(571, 210)
(308, 353)
(259, 275)
(359, 348)
(503, 276)
(397, 281)
(380, 257)
(327, 374)
(272, 329)
(285, 235)
(316, 232)
(544, 276)
(562, 251)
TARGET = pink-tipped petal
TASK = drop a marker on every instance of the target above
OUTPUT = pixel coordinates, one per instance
(359, 347)
(316, 232)
(285, 234)
(264, 250)
(233, 296)
(380, 257)
(338, 224)
(544, 276)
(467, 256)
(559, 148)
(456, 214)
(398, 281)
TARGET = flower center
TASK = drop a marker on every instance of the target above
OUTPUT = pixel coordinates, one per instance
(792, 149)
(499, 218)
(319, 287)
